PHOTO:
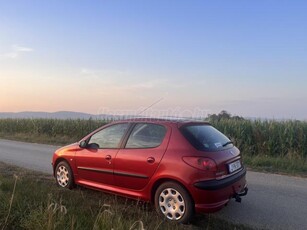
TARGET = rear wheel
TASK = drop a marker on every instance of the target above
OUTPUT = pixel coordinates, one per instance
(63, 175)
(174, 202)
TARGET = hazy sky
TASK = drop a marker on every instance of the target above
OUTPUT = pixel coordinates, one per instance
(247, 57)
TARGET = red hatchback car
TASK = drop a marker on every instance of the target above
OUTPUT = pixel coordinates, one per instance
(181, 166)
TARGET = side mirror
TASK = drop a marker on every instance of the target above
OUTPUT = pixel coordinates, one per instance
(82, 144)
(93, 146)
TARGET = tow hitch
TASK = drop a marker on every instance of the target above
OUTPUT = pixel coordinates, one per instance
(237, 196)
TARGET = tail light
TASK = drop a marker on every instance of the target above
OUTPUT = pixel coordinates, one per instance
(201, 163)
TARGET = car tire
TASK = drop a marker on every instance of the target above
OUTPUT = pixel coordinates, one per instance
(174, 203)
(63, 175)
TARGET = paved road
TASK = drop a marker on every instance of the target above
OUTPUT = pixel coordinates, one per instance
(28, 155)
(273, 202)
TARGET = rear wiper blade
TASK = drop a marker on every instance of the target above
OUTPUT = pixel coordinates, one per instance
(227, 143)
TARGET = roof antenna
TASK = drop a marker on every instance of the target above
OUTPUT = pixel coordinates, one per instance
(156, 102)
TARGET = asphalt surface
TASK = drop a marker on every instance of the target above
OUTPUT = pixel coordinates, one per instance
(27, 155)
(273, 202)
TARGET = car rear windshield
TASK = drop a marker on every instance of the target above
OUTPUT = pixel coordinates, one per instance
(205, 137)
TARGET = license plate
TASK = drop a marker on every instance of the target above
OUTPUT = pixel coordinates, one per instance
(234, 166)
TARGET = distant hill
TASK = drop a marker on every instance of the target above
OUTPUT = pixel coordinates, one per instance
(57, 115)
(73, 115)
(85, 116)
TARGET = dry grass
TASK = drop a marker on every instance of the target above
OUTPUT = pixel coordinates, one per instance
(35, 202)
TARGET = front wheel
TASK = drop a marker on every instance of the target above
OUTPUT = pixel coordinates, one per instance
(63, 175)
(174, 202)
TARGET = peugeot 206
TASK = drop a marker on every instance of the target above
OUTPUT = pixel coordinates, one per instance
(182, 167)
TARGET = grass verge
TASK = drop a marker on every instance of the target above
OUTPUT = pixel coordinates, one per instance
(31, 200)
(40, 139)
(279, 165)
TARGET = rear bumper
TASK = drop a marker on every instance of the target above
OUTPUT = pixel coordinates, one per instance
(219, 184)
(211, 196)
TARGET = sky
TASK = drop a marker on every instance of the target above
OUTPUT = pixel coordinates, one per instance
(196, 57)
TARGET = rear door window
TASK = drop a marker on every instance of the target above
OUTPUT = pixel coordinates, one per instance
(205, 137)
(146, 136)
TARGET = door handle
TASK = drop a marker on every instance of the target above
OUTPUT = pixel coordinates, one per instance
(108, 157)
(150, 160)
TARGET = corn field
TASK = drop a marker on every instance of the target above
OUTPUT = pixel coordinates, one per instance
(254, 138)
(267, 138)
(74, 130)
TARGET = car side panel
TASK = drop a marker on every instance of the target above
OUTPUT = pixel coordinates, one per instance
(93, 166)
(133, 168)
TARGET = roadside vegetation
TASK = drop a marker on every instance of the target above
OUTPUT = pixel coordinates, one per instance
(266, 145)
(47, 131)
(31, 200)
